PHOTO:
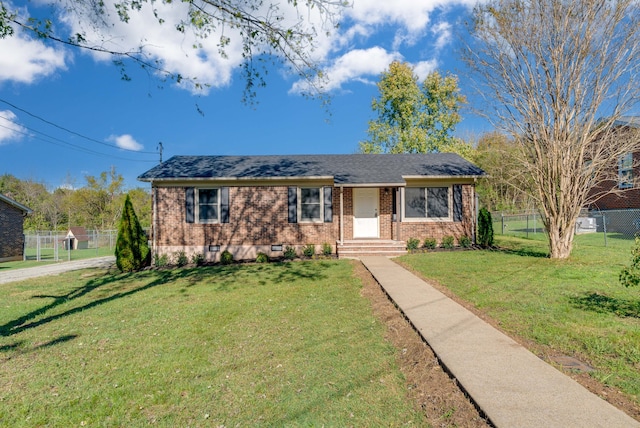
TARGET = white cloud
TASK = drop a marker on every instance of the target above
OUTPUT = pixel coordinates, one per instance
(423, 68)
(10, 130)
(170, 49)
(442, 31)
(126, 142)
(355, 65)
(25, 59)
(175, 51)
(411, 14)
(346, 50)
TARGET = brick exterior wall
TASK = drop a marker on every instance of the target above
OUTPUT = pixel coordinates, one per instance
(628, 199)
(258, 218)
(622, 199)
(11, 232)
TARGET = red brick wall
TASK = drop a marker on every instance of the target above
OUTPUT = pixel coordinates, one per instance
(622, 198)
(11, 232)
(258, 217)
(630, 198)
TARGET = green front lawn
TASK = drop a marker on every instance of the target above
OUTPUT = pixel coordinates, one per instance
(576, 307)
(47, 257)
(291, 344)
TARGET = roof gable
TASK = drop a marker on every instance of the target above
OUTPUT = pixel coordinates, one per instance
(15, 204)
(353, 169)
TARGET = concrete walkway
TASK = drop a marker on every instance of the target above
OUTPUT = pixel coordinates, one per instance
(12, 275)
(512, 386)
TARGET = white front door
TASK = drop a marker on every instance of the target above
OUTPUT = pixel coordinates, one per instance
(365, 213)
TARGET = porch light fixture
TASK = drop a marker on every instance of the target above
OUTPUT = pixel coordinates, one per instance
(214, 248)
(276, 247)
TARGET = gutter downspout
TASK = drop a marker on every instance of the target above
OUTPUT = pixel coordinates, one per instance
(155, 220)
(398, 214)
(341, 215)
(474, 222)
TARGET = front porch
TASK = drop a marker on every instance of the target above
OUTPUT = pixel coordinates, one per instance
(355, 248)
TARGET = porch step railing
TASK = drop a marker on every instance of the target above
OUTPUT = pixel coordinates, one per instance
(371, 247)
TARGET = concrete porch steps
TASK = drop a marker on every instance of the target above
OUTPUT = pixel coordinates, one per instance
(356, 248)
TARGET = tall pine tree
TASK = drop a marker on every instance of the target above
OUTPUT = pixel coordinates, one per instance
(132, 250)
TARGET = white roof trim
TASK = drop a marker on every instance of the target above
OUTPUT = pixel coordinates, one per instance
(15, 204)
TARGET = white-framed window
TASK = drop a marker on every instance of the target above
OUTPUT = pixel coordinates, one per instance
(625, 171)
(208, 205)
(310, 204)
(427, 203)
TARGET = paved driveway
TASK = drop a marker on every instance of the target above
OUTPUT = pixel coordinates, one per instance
(55, 269)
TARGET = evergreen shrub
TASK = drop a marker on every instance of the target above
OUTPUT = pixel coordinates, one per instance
(429, 243)
(132, 251)
(327, 249)
(447, 242)
(226, 258)
(289, 253)
(309, 250)
(412, 244)
(485, 228)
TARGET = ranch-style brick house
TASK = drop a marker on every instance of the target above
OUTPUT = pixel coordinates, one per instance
(357, 203)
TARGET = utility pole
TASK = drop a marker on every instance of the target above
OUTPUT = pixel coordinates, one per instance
(159, 148)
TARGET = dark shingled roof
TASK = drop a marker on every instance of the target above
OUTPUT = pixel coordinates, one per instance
(353, 169)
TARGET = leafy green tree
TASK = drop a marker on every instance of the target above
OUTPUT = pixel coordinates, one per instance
(98, 204)
(413, 117)
(505, 186)
(34, 195)
(132, 250)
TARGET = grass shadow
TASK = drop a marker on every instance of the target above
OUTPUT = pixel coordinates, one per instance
(12, 346)
(30, 320)
(600, 303)
(524, 252)
(294, 271)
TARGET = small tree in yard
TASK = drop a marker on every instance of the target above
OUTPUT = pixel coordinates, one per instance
(132, 250)
(630, 275)
(485, 228)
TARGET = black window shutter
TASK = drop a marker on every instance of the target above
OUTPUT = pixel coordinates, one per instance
(457, 202)
(190, 205)
(224, 205)
(394, 204)
(328, 204)
(293, 204)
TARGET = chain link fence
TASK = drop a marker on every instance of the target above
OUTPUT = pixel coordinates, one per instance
(601, 226)
(75, 244)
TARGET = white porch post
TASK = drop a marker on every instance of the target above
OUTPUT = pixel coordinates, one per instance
(398, 214)
(341, 215)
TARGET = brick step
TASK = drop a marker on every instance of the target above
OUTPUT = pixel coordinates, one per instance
(374, 247)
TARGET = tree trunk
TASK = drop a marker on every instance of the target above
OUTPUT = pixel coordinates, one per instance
(560, 238)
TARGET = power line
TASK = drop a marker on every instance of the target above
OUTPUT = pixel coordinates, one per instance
(62, 143)
(70, 131)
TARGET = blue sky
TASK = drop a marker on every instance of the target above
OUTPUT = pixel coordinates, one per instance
(48, 90)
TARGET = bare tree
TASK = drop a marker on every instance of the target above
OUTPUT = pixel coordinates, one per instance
(560, 76)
